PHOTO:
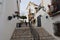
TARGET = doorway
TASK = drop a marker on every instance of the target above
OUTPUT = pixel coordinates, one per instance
(39, 21)
(57, 29)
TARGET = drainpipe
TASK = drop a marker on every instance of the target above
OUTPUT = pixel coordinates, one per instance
(18, 6)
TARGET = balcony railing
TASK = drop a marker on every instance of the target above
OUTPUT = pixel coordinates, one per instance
(54, 14)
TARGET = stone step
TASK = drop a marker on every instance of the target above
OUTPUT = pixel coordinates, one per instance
(23, 38)
(44, 35)
(22, 34)
(25, 34)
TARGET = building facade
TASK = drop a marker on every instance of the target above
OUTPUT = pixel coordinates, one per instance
(7, 9)
(31, 11)
(49, 16)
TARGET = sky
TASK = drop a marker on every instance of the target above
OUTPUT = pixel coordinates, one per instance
(24, 4)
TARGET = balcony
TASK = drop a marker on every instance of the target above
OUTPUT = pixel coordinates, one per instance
(53, 10)
(54, 14)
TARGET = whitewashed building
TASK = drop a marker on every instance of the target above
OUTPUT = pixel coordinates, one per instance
(7, 8)
(31, 10)
(46, 20)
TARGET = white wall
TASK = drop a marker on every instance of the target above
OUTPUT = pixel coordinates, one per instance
(7, 27)
(46, 23)
(56, 18)
(46, 3)
(27, 18)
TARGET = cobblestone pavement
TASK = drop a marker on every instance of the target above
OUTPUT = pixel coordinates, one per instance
(26, 34)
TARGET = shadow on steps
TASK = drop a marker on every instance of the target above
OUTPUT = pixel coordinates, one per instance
(34, 33)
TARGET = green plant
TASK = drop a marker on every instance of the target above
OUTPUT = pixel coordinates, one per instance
(23, 17)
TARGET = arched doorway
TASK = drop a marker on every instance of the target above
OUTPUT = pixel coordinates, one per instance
(39, 21)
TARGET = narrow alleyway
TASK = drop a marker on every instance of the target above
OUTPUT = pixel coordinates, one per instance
(30, 33)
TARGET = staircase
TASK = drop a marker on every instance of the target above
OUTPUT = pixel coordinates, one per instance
(27, 33)
(44, 35)
(22, 34)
